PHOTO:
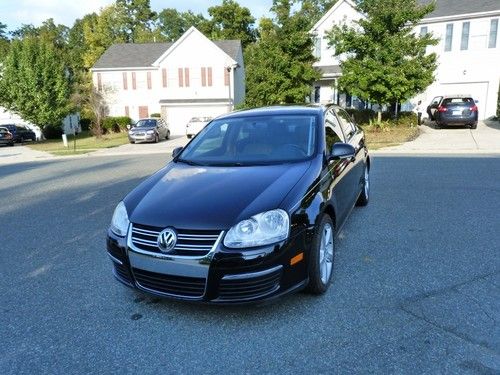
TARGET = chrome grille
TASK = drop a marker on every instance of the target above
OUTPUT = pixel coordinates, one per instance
(189, 242)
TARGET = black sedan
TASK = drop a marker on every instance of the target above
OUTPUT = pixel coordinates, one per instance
(247, 211)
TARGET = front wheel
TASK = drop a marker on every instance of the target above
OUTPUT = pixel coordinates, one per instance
(365, 191)
(168, 135)
(321, 260)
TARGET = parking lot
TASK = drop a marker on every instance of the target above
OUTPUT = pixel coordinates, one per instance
(415, 290)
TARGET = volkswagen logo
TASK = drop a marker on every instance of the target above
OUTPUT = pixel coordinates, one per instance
(167, 239)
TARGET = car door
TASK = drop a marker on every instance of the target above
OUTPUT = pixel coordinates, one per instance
(335, 187)
(432, 108)
(353, 136)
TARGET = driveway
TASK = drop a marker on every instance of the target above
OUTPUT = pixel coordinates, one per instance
(484, 139)
(415, 283)
(20, 153)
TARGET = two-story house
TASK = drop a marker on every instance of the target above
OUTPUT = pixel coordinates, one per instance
(191, 77)
(468, 52)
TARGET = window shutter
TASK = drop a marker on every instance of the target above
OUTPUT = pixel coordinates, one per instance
(181, 78)
(209, 76)
(186, 76)
(99, 82)
(226, 77)
(134, 82)
(127, 111)
(164, 77)
(203, 77)
(125, 83)
(150, 85)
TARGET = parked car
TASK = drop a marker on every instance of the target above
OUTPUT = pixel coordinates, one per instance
(454, 110)
(195, 125)
(247, 211)
(21, 133)
(149, 130)
(6, 137)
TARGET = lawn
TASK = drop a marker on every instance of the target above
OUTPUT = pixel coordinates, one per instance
(377, 138)
(85, 143)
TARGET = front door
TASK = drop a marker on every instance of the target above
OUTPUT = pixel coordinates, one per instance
(143, 112)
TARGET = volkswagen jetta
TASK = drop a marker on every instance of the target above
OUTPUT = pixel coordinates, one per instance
(247, 211)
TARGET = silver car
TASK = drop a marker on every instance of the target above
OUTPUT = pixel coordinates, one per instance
(149, 130)
(194, 125)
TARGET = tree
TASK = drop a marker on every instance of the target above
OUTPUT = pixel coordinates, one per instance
(279, 65)
(231, 21)
(34, 82)
(4, 41)
(382, 60)
(315, 9)
(100, 32)
(172, 24)
(135, 19)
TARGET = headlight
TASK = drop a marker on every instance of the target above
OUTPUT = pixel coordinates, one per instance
(150, 132)
(120, 222)
(262, 229)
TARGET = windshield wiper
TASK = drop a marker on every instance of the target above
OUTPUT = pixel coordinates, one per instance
(190, 162)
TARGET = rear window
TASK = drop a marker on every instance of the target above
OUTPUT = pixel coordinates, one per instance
(4, 130)
(458, 101)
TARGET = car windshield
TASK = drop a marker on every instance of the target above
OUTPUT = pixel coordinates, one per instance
(145, 124)
(254, 141)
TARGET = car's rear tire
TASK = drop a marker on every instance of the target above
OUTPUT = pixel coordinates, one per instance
(132, 142)
(157, 139)
(473, 126)
(189, 136)
(321, 257)
(11, 144)
(365, 191)
(168, 135)
(437, 126)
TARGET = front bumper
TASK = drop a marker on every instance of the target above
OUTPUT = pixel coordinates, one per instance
(225, 276)
(142, 138)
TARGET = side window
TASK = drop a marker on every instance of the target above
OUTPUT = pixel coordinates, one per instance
(333, 132)
(331, 137)
(346, 123)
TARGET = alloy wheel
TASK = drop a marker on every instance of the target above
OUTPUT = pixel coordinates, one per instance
(326, 253)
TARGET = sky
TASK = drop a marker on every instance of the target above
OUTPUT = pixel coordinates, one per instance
(14, 13)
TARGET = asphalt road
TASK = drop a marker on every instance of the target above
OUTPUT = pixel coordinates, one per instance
(416, 281)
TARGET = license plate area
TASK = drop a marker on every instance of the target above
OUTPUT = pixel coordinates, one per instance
(457, 112)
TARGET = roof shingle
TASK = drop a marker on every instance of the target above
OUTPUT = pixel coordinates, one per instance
(143, 55)
(445, 8)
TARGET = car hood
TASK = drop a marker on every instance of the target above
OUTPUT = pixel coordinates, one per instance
(212, 198)
(142, 129)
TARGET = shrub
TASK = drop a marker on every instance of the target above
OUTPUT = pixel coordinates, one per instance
(115, 124)
(362, 116)
(85, 124)
(156, 115)
(52, 132)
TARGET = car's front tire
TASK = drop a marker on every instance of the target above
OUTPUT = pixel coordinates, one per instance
(321, 259)
(473, 126)
(168, 135)
(365, 191)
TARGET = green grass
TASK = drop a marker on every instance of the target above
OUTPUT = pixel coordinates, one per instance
(377, 138)
(85, 143)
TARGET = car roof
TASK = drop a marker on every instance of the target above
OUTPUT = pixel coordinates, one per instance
(457, 96)
(278, 110)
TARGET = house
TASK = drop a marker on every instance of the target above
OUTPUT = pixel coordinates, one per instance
(468, 52)
(192, 77)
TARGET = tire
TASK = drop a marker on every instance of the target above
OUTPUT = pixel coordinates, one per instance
(190, 136)
(437, 126)
(157, 139)
(473, 126)
(364, 197)
(321, 260)
(168, 135)
(11, 144)
(132, 142)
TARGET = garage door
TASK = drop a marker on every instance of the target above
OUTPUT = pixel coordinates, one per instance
(178, 116)
(478, 90)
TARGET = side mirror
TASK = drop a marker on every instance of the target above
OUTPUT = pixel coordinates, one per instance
(176, 152)
(342, 151)
(128, 127)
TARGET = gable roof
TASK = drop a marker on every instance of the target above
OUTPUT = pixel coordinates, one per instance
(143, 55)
(447, 8)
